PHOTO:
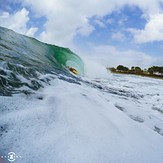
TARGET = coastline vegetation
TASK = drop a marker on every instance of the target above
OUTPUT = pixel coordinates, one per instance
(154, 71)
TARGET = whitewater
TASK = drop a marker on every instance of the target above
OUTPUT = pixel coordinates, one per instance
(49, 115)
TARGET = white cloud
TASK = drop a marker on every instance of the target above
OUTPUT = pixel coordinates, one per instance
(31, 31)
(153, 30)
(17, 22)
(111, 56)
(64, 17)
(86, 30)
(67, 18)
(118, 36)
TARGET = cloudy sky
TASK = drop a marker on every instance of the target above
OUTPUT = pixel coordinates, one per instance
(113, 32)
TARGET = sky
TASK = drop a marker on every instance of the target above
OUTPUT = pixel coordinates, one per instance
(112, 32)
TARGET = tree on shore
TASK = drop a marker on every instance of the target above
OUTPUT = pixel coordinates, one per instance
(136, 69)
(122, 68)
(155, 69)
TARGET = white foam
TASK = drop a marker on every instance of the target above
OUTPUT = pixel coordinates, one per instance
(79, 123)
(93, 69)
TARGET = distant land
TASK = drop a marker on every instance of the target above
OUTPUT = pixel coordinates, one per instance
(154, 71)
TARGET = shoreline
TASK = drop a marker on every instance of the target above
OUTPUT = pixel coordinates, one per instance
(143, 75)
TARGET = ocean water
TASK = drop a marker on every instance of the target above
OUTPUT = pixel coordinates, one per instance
(49, 115)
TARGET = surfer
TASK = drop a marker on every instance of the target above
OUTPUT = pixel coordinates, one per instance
(73, 70)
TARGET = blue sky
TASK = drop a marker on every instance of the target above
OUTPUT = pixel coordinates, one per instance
(111, 32)
(111, 29)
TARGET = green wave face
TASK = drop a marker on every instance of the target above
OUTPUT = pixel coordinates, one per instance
(24, 60)
(66, 58)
